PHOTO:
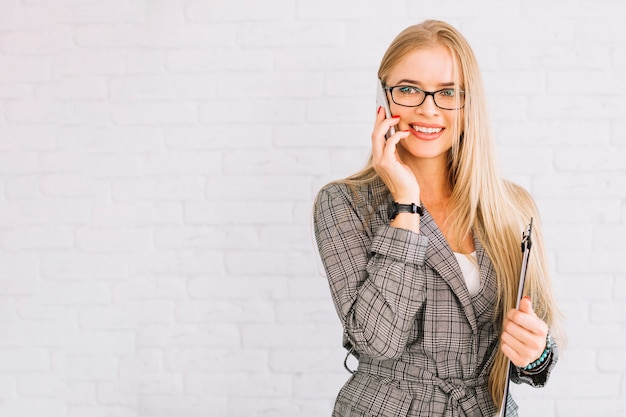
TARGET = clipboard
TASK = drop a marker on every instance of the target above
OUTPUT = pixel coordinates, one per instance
(525, 246)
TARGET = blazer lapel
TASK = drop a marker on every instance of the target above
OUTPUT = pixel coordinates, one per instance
(439, 257)
(484, 302)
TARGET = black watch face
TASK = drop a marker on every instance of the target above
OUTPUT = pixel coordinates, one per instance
(392, 211)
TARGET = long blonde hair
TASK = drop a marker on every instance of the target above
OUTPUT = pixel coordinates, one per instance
(482, 202)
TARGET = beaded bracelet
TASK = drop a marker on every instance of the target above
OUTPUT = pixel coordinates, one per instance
(543, 357)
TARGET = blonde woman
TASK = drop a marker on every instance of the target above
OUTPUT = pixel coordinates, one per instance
(422, 249)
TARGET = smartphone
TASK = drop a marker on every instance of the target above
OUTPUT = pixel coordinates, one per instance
(381, 101)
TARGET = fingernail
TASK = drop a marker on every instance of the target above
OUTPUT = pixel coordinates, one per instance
(528, 298)
(378, 111)
(396, 117)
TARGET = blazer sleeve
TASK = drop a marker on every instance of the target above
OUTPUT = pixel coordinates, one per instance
(536, 377)
(376, 278)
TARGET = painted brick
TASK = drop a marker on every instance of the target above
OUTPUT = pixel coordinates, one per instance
(94, 139)
(206, 238)
(279, 34)
(71, 185)
(155, 113)
(77, 265)
(321, 58)
(191, 360)
(220, 136)
(306, 385)
(89, 62)
(24, 69)
(27, 334)
(100, 411)
(308, 336)
(106, 36)
(183, 163)
(289, 85)
(138, 214)
(619, 56)
(158, 189)
(177, 262)
(33, 407)
(549, 133)
(608, 312)
(212, 311)
(24, 360)
(195, 406)
(39, 237)
(92, 367)
(601, 186)
(35, 112)
(620, 287)
(219, 59)
(589, 406)
(268, 187)
(310, 287)
(75, 88)
(287, 162)
(145, 61)
(126, 316)
(238, 288)
(240, 10)
(149, 288)
(260, 262)
(188, 35)
(97, 12)
(219, 213)
(24, 17)
(215, 336)
(328, 135)
(305, 311)
(515, 82)
(158, 166)
(603, 107)
(309, 361)
(244, 384)
(256, 110)
(113, 239)
(161, 87)
(118, 393)
(75, 293)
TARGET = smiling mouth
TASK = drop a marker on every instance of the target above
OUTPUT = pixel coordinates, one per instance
(427, 130)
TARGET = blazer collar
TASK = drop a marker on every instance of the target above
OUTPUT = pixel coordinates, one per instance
(439, 256)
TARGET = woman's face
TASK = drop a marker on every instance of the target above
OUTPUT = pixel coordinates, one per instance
(431, 128)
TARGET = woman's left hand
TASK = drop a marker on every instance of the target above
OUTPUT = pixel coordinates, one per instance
(524, 334)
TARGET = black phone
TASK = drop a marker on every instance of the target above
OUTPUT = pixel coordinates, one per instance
(381, 101)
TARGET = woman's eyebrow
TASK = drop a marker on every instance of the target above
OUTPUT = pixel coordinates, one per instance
(407, 81)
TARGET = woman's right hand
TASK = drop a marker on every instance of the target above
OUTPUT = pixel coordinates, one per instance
(396, 175)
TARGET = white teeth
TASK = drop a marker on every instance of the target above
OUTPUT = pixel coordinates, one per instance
(429, 130)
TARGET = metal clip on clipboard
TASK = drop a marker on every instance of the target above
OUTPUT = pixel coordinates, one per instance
(526, 244)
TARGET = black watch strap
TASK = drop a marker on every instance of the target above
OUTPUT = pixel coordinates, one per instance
(395, 208)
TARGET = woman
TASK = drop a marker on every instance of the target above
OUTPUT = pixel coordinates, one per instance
(422, 248)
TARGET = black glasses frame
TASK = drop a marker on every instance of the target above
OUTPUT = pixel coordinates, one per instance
(426, 94)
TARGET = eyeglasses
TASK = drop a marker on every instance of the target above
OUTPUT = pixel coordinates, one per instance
(410, 96)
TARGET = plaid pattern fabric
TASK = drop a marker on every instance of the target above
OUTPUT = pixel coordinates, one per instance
(425, 346)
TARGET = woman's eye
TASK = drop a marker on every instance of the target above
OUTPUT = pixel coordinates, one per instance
(448, 93)
(409, 90)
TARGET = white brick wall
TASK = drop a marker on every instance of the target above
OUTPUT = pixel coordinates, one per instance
(159, 158)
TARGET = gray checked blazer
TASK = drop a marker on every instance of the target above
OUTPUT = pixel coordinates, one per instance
(425, 346)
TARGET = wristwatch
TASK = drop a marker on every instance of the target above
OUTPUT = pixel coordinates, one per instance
(394, 208)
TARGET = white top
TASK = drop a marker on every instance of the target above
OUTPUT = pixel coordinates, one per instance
(469, 268)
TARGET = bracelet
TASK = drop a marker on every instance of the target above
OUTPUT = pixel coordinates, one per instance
(544, 355)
